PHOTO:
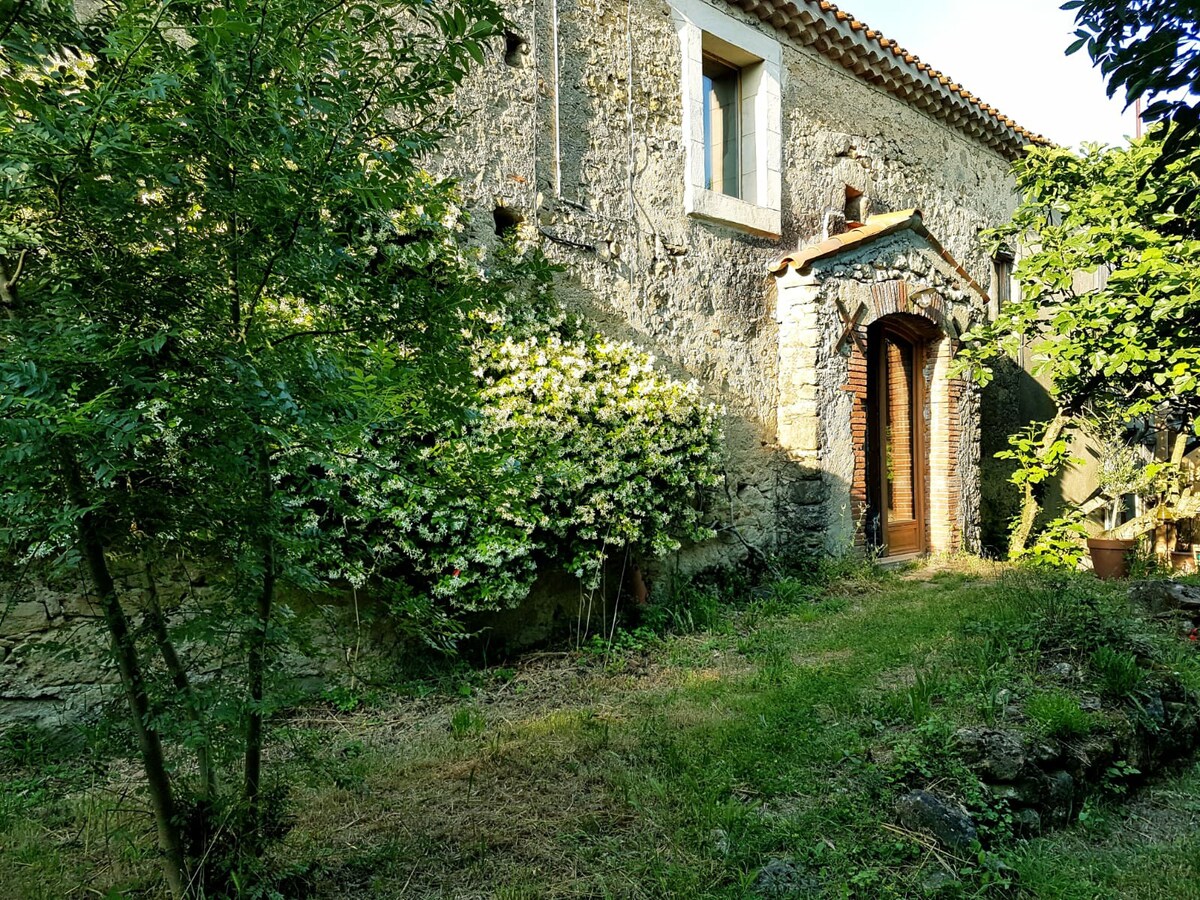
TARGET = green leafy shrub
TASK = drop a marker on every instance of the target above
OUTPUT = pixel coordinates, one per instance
(1058, 714)
(1061, 544)
(620, 640)
(1119, 672)
(581, 450)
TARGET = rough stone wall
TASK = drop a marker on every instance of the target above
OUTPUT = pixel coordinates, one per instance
(56, 662)
(596, 174)
(57, 668)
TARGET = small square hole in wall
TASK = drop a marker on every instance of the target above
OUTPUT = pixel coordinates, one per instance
(855, 207)
(516, 49)
(506, 220)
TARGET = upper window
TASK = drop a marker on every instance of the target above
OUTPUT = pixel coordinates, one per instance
(731, 120)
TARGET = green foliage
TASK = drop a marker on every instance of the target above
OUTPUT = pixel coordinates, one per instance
(689, 605)
(927, 686)
(1118, 775)
(621, 640)
(1149, 49)
(467, 721)
(1060, 544)
(914, 704)
(221, 265)
(1058, 714)
(731, 747)
(1109, 287)
(1125, 345)
(1119, 672)
(238, 325)
(1037, 463)
(579, 450)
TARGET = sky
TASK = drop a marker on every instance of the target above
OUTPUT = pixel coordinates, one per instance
(1009, 53)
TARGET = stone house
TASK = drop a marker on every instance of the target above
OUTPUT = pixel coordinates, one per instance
(781, 202)
(772, 198)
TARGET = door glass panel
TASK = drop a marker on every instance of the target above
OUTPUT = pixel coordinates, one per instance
(899, 432)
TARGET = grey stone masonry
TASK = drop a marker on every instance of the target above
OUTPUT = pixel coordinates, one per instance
(586, 139)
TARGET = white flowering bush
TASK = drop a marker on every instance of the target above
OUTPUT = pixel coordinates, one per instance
(581, 449)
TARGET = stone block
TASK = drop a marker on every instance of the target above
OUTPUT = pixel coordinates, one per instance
(24, 617)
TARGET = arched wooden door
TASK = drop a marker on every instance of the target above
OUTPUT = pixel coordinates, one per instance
(897, 455)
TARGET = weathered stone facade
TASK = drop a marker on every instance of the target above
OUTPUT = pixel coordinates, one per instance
(578, 133)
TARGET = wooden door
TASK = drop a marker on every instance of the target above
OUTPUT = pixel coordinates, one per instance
(899, 441)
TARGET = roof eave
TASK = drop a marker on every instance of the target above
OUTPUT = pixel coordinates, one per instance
(871, 56)
(875, 228)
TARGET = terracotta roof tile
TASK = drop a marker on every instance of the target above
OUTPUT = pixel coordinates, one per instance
(987, 123)
(875, 228)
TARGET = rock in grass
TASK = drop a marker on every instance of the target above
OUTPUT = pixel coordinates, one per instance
(994, 753)
(782, 878)
(940, 882)
(1160, 596)
(949, 823)
(1063, 671)
(1027, 822)
(720, 839)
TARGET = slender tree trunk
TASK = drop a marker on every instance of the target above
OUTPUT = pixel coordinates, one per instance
(1166, 534)
(125, 649)
(1030, 505)
(256, 659)
(157, 621)
(257, 653)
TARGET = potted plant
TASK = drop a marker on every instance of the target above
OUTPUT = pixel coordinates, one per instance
(1172, 496)
(1121, 474)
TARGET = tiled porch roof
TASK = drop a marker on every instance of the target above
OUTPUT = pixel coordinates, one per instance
(875, 228)
(877, 59)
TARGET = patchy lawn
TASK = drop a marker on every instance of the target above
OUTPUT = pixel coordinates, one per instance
(762, 753)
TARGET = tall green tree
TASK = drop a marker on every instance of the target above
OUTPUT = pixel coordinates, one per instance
(1150, 50)
(1110, 287)
(1109, 304)
(222, 268)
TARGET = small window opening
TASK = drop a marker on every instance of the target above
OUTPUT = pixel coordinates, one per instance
(722, 130)
(516, 49)
(1002, 271)
(855, 214)
(506, 220)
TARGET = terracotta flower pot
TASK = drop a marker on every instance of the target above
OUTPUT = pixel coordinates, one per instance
(1183, 561)
(1110, 557)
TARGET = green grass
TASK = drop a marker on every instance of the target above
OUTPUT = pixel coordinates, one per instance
(776, 725)
(1148, 849)
(1058, 714)
(1119, 673)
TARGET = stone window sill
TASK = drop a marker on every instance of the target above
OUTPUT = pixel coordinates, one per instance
(731, 212)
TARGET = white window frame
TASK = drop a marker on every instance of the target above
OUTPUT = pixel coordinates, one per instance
(761, 67)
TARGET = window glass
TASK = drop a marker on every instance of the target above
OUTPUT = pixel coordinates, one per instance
(722, 95)
(1003, 275)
